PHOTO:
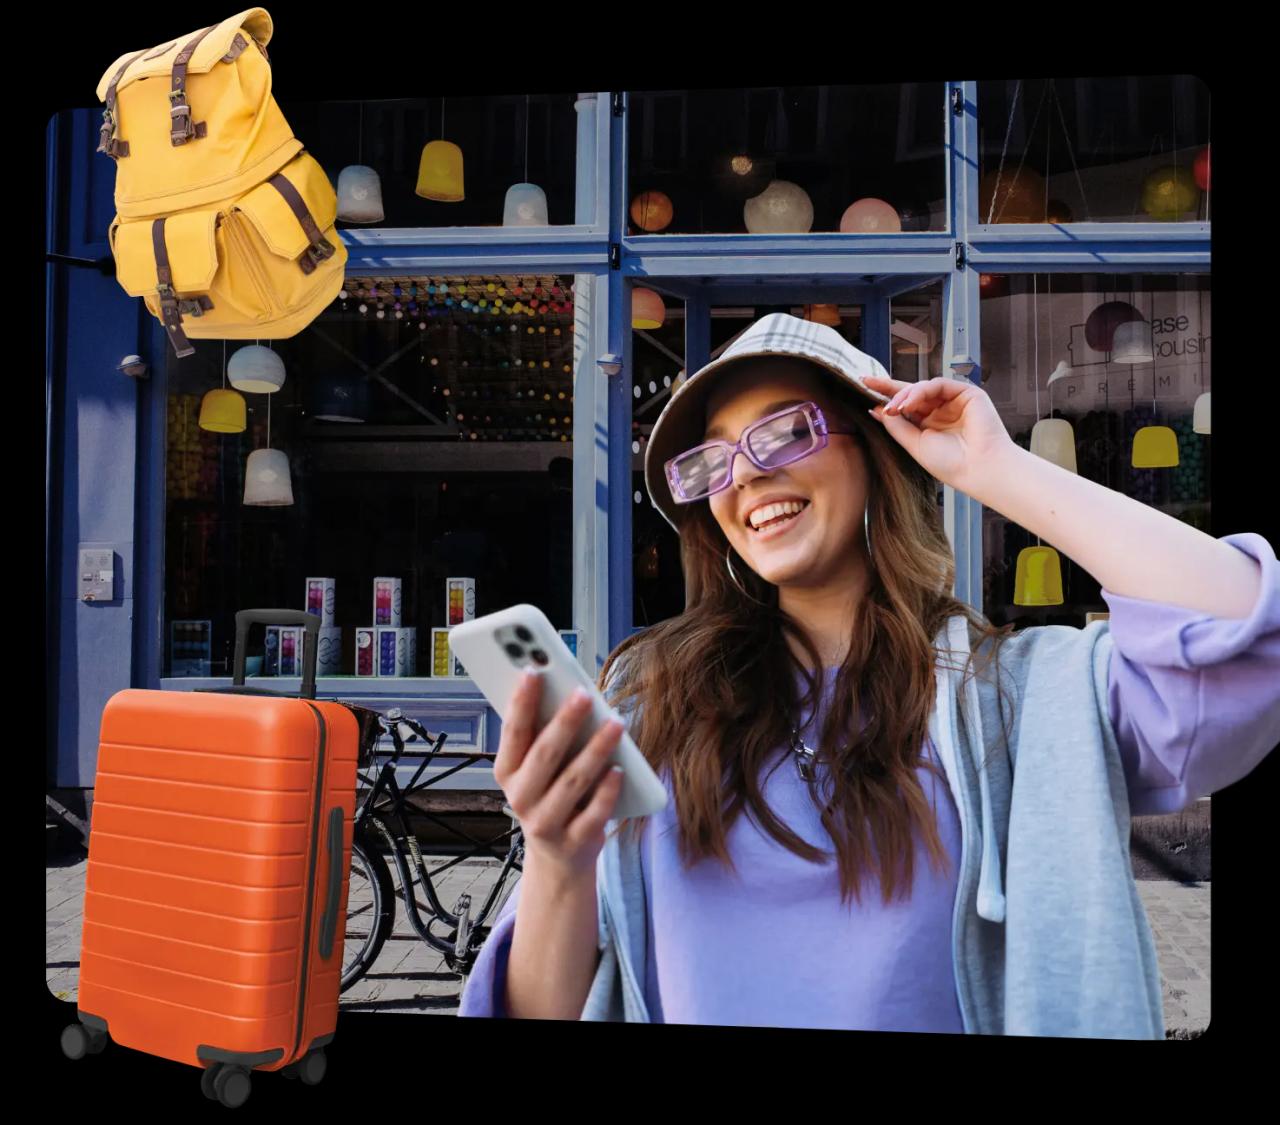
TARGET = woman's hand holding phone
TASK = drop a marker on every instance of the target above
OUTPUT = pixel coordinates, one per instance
(563, 808)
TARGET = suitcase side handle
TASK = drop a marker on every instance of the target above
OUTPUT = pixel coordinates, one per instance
(329, 923)
(309, 621)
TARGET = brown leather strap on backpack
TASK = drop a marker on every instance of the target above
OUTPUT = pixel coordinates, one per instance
(172, 308)
(182, 129)
(107, 144)
(321, 249)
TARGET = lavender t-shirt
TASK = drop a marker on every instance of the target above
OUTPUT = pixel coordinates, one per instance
(1195, 704)
(773, 945)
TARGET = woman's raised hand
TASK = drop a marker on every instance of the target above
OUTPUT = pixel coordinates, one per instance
(563, 808)
(953, 430)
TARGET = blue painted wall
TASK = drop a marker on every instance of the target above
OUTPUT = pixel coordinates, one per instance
(93, 429)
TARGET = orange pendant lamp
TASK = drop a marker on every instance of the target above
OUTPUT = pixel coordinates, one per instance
(647, 309)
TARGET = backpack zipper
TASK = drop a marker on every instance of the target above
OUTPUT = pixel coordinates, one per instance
(233, 220)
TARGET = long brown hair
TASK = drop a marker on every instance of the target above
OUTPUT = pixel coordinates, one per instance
(716, 685)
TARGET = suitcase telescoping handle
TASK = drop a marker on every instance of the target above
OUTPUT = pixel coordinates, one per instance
(308, 621)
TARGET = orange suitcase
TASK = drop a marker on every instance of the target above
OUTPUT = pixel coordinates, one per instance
(216, 890)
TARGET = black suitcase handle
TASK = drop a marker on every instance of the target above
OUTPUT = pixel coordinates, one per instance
(310, 647)
(329, 923)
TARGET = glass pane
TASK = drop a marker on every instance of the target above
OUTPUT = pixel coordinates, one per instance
(492, 144)
(867, 159)
(657, 575)
(1101, 150)
(457, 464)
(1115, 390)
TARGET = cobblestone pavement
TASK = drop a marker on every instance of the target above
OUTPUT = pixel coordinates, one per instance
(409, 976)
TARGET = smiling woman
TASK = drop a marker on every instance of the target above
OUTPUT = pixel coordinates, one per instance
(932, 892)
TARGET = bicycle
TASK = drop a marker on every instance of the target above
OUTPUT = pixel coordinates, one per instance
(380, 809)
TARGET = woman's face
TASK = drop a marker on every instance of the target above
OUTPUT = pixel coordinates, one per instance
(824, 541)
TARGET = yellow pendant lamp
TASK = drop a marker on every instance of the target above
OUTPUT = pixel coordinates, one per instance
(440, 170)
(1038, 578)
(1154, 447)
(223, 411)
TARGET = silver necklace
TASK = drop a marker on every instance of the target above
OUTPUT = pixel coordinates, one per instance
(806, 757)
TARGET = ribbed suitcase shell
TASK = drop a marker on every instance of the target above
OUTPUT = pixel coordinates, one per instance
(208, 875)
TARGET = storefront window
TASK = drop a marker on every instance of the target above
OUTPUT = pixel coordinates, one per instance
(1120, 364)
(424, 448)
(1093, 150)
(858, 159)
(493, 161)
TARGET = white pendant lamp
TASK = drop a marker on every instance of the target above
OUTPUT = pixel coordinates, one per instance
(1200, 415)
(525, 206)
(1051, 438)
(359, 189)
(782, 208)
(257, 370)
(1132, 343)
(526, 203)
(267, 483)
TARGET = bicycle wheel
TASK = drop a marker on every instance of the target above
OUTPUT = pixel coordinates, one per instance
(371, 906)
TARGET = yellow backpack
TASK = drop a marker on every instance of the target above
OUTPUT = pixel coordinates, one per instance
(224, 224)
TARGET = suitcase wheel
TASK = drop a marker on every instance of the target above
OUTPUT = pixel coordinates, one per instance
(78, 1041)
(312, 1068)
(232, 1085)
(207, 1079)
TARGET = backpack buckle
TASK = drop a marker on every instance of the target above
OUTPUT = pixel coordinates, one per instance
(196, 306)
(315, 254)
(182, 128)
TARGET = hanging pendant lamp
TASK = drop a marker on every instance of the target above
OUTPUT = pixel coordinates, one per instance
(359, 189)
(782, 208)
(870, 216)
(647, 309)
(526, 203)
(223, 411)
(823, 314)
(267, 483)
(256, 369)
(440, 170)
(1132, 343)
(1154, 446)
(1038, 577)
(1052, 438)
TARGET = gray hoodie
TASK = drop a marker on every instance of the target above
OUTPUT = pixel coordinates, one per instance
(1049, 933)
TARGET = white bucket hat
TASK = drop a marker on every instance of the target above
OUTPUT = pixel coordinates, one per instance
(680, 425)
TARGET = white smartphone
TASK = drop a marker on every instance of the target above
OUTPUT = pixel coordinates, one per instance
(496, 649)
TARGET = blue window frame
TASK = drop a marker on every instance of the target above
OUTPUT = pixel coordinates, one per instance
(868, 268)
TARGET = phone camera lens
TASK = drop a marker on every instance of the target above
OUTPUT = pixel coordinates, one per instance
(538, 655)
(524, 634)
(514, 651)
